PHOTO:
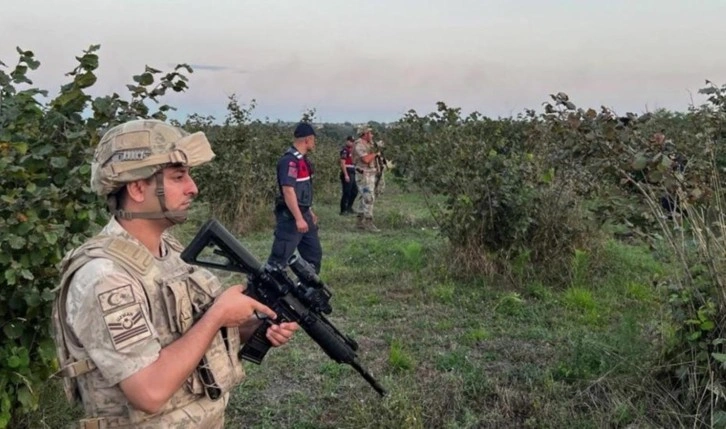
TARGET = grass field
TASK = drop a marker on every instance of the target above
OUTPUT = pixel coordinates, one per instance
(454, 353)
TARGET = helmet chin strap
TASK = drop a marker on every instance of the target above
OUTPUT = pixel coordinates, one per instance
(174, 216)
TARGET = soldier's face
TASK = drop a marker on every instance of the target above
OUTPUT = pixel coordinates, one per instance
(179, 188)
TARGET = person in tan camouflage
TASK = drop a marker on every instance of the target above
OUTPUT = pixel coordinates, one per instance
(365, 166)
(145, 340)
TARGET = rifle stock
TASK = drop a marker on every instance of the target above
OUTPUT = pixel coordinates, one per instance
(305, 301)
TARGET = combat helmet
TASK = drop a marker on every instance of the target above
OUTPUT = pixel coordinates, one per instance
(138, 150)
(364, 129)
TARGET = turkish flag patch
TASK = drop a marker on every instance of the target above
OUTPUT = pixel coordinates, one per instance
(292, 169)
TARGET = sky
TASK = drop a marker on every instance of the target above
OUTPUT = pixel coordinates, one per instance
(375, 60)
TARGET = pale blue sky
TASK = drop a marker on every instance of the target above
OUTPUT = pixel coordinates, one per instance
(374, 60)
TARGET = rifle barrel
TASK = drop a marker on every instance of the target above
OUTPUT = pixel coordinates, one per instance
(368, 377)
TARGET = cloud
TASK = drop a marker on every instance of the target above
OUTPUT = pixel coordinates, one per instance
(214, 68)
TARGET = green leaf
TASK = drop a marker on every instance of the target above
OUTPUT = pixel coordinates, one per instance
(85, 80)
(548, 176)
(23, 358)
(89, 61)
(70, 99)
(13, 329)
(26, 398)
(14, 361)
(46, 350)
(50, 237)
(655, 176)
(187, 67)
(4, 418)
(26, 274)
(144, 79)
(32, 63)
(639, 163)
(23, 228)
(22, 148)
(10, 277)
(16, 242)
(59, 161)
(708, 325)
(47, 295)
(720, 357)
(32, 299)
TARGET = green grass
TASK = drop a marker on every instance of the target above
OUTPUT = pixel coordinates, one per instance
(456, 354)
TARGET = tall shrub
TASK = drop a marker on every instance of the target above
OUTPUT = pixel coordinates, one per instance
(694, 363)
(496, 187)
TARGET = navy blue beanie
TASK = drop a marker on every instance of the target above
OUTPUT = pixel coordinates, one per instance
(304, 129)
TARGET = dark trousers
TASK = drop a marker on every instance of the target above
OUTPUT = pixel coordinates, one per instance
(287, 239)
(350, 191)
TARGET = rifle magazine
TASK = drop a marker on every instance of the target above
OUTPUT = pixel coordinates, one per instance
(256, 347)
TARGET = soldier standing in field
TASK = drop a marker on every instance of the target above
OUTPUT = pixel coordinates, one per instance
(347, 177)
(145, 340)
(365, 165)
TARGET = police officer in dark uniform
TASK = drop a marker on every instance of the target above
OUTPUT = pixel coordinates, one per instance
(297, 224)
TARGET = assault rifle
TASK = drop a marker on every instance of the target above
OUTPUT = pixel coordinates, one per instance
(381, 164)
(380, 159)
(305, 301)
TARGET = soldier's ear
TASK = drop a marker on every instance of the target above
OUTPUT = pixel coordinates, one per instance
(136, 190)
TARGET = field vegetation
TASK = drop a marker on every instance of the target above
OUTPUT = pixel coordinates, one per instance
(560, 268)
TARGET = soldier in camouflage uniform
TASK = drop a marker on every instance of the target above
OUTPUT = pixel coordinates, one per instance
(365, 166)
(145, 340)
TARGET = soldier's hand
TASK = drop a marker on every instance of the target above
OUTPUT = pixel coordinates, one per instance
(282, 333)
(301, 225)
(233, 308)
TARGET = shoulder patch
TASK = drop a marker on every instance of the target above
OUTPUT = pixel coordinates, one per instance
(119, 297)
(292, 169)
(132, 254)
(127, 326)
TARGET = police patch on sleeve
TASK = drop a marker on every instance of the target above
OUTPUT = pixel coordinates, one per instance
(127, 326)
(119, 297)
